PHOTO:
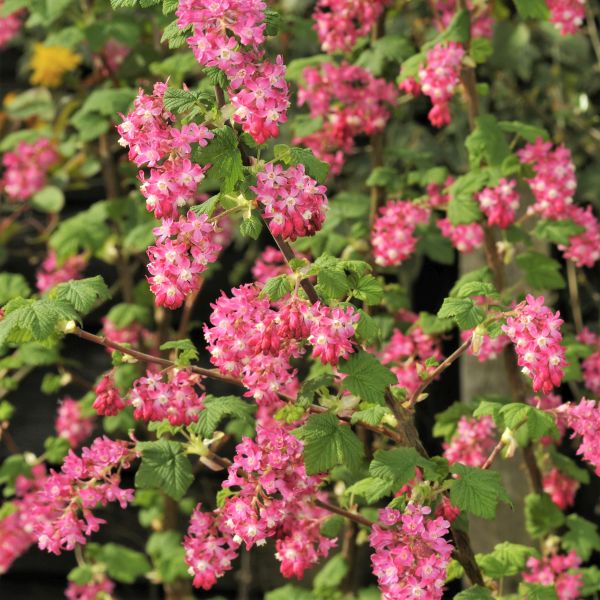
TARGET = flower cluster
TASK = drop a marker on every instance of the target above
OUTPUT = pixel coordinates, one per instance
(465, 237)
(150, 136)
(174, 399)
(270, 263)
(10, 25)
(411, 555)
(350, 101)
(183, 250)
(339, 23)
(392, 237)
(100, 588)
(535, 332)
(482, 20)
(555, 571)
(438, 79)
(71, 423)
(83, 482)
(406, 354)
(591, 364)
(485, 347)
(567, 15)
(258, 90)
(134, 333)
(52, 272)
(50, 64)
(473, 441)
(584, 419)
(26, 168)
(560, 487)
(499, 204)
(275, 495)
(108, 401)
(292, 201)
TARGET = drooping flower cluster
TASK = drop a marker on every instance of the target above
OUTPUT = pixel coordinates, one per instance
(108, 401)
(553, 187)
(52, 271)
(26, 168)
(392, 237)
(465, 237)
(473, 441)
(275, 495)
(350, 101)
(482, 20)
(499, 204)
(270, 263)
(100, 588)
(438, 79)
(293, 203)
(339, 23)
(251, 340)
(51, 63)
(183, 250)
(83, 483)
(535, 332)
(150, 136)
(567, 15)
(584, 419)
(71, 423)
(406, 354)
(555, 571)
(174, 398)
(10, 25)
(257, 90)
(411, 555)
(560, 487)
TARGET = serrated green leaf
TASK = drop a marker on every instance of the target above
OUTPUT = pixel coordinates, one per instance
(372, 415)
(13, 285)
(487, 143)
(537, 591)
(81, 575)
(333, 283)
(542, 516)
(369, 289)
(372, 489)
(532, 9)
(477, 592)
(216, 408)
(366, 377)
(223, 154)
(174, 36)
(582, 537)
(123, 564)
(186, 351)
(317, 169)
(557, 232)
(541, 272)
(568, 466)
(367, 330)
(462, 207)
(327, 443)
(251, 227)
(463, 311)
(505, 560)
(82, 294)
(276, 288)
(397, 465)
(331, 574)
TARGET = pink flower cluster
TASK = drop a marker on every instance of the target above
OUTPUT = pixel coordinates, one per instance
(482, 21)
(270, 263)
(52, 272)
(292, 201)
(183, 250)
(560, 487)
(554, 571)
(438, 79)
(150, 136)
(71, 424)
(133, 334)
(485, 347)
(473, 441)
(339, 23)
(567, 15)
(499, 204)
(10, 25)
(350, 101)
(591, 365)
(553, 187)
(465, 237)
(584, 419)
(258, 90)
(392, 237)
(535, 332)
(84, 482)
(174, 399)
(108, 401)
(26, 168)
(275, 499)
(406, 354)
(411, 555)
(101, 587)
(251, 340)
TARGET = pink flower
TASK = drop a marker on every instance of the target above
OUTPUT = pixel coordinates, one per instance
(482, 20)
(567, 15)
(584, 419)
(485, 347)
(560, 487)
(100, 587)
(535, 332)
(499, 204)
(554, 571)
(71, 424)
(331, 331)
(473, 441)
(10, 26)
(465, 238)
(52, 272)
(108, 401)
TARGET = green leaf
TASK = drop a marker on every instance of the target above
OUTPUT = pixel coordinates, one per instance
(463, 311)
(35, 102)
(397, 465)
(6, 410)
(541, 272)
(316, 168)
(49, 199)
(367, 330)
(164, 466)
(251, 227)
(331, 574)
(487, 144)
(542, 516)
(125, 314)
(13, 285)
(115, 4)
(216, 408)
(273, 22)
(505, 560)
(446, 421)
(481, 49)
(13, 466)
(532, 9)
(462, 207)
(568, 466)
(476, 288)
(55, 449)
(277, 287)
(369, 289)
(382, 176)
(168, 555)
(477, 491)
(477, 592)
(82, 294)
(174, 36)
(372, 489)
(177, 100)
(223, 154)
(537, 591)
(366, 377)
(289, 592)
(186, 351)
(557, 232)
(333, 283)
(591, 581)
(538, 423)
(528, 132)
(123, 564)
(81, 575)
(169, 6)
(372, 415)
(582, 537)
(327, 443)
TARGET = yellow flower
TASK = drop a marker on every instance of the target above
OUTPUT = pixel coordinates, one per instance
(50, 63)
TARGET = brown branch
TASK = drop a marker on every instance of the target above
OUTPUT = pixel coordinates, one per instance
(574, 296)
(345, 513)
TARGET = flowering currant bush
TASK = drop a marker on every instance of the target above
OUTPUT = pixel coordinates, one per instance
(217, 222)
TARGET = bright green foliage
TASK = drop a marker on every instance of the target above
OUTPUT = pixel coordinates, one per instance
(216, 408)
(542, 516)
(505, 560)
(82, 294)
(186, 352)
(223, 154)
(366, 377)
(582, 536)
(463, 311)
(122, 564)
